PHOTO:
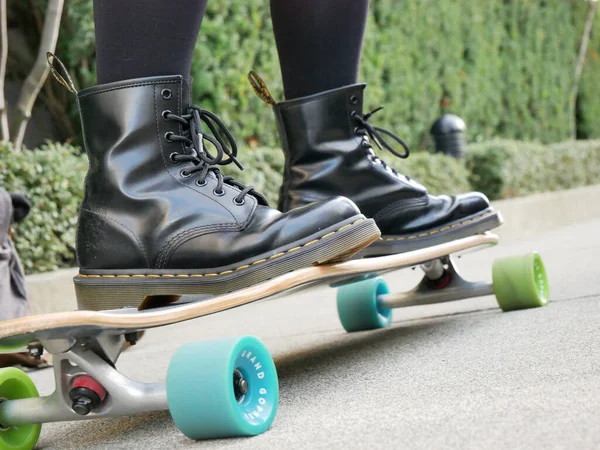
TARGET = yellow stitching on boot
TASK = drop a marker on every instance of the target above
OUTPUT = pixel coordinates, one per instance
(473, 219)
(198, 275)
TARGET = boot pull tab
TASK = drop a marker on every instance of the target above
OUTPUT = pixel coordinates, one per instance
(62, 74)
(260, 88)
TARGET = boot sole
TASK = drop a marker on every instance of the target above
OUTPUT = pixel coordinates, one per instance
(467, 226)
(114, 289)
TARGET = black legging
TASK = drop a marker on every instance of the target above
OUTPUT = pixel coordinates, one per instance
(319, 41)
(143, 38)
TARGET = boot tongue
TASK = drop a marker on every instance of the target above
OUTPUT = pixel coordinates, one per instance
(186, 89)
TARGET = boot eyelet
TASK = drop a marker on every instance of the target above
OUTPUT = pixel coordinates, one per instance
(166, 94)
(168, 136)
(201, 183)
(240, 203)
(172, 157)
(220, 193)
(356, 130)
(185, 174)
(353, 100)
(164, 115)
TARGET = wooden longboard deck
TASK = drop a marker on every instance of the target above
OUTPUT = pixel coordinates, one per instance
(16, 333)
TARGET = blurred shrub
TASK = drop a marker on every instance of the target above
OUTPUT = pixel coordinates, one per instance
(52, 178)
(504, 168)
(506, 67)
(440, 174)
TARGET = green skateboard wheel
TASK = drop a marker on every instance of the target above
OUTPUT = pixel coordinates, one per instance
(520, 282)
(16, 384)
(358, 308)
(222, 388)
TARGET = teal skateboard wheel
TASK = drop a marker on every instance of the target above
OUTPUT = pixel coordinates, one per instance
(358, 308)
(16, 384)
(520, 282)
(222, 388)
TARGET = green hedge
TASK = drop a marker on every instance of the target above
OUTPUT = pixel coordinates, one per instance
(52, 177)
(506, 67)
(503, 168)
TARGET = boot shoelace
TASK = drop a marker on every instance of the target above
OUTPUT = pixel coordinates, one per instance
(375, 133)
(202, 161)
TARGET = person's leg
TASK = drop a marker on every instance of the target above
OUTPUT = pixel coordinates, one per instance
(328, 138)
(158, 217)
(319, 43)
(141, 38)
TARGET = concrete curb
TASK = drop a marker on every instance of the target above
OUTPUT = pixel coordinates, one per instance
(527, 216)
(523, 217)
(51, 291)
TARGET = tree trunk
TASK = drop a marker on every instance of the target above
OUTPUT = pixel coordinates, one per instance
(4, 131)
(36, 78)
(585, 39)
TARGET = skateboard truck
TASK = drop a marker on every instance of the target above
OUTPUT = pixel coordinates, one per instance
(87, 386)
(442, 283)
(519, 282)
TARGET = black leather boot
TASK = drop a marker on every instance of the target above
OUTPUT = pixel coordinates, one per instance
(327, 140)
(159, 218)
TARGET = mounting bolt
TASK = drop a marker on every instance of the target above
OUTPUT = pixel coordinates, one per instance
(132, 337)
(82, 405)
(36, 350)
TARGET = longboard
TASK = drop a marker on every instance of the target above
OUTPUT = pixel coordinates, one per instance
(17, 333)
(226, 387)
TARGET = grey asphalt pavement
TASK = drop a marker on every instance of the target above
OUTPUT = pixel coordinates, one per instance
(460, 375)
